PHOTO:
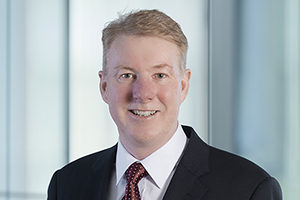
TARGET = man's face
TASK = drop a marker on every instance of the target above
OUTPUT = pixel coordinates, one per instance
(144, 87)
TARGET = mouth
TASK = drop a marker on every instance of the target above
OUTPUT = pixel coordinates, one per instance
(143, 113)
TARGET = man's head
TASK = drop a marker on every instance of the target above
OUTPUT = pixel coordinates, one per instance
(145, 23)
(143, 84)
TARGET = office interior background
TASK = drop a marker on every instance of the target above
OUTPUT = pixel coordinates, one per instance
(244, 95)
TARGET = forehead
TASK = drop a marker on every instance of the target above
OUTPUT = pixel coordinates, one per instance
(131, 51)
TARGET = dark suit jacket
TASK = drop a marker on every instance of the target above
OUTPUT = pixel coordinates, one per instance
(203, 173)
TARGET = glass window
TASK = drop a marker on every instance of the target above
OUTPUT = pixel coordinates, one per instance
(255, 96)
(32, 95)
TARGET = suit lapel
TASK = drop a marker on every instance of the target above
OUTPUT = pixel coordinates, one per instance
(186, 182)
(97, 186)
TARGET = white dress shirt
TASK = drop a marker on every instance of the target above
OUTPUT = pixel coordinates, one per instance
(160, 166)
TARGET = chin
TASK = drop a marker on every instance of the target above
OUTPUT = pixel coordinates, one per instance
(144, 132)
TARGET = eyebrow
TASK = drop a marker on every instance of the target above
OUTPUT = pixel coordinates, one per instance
(162, 66)
(123, 67)
(159, 66)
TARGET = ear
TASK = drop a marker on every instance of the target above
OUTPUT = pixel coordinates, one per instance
(103, 86)
(185, 84)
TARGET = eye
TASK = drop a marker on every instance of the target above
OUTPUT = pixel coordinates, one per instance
(126, 76)
(160, 76)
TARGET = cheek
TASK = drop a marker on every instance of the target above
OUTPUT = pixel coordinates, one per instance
(118, 94)
(117, 103)
(170, 95)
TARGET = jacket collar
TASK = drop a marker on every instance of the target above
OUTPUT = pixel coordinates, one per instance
(186, 182)
(98, 186)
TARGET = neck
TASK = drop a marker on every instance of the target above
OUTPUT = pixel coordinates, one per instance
(142, 149)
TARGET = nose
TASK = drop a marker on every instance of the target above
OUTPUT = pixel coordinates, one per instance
(143, 90)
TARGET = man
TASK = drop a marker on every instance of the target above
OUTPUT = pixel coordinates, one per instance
(144, 81)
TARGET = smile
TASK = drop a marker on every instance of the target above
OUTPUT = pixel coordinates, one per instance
(144, 113)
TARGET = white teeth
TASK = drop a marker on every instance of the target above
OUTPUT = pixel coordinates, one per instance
(143, 113)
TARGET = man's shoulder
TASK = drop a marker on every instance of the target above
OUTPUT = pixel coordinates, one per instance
(224, 165)
(83, 175)
(223, 161)
(239, 175)
(91, 161)
(234, 164)
(227, 174)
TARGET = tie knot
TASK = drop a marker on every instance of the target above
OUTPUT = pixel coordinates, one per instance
(135, 173)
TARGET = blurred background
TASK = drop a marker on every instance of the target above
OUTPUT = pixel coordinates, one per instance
(244, 97)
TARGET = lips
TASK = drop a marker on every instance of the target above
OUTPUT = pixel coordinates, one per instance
(143, 113)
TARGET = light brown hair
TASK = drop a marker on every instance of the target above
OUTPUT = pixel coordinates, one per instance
(145, 23)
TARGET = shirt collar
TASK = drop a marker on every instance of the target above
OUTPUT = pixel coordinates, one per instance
(156, 164)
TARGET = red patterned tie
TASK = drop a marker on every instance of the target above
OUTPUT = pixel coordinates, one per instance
(134, 174)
